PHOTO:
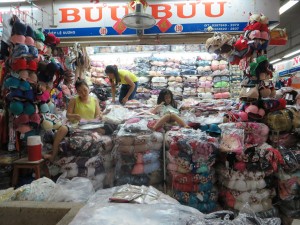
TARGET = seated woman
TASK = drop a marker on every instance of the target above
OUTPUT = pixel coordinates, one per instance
(167, 109)
(83, 106)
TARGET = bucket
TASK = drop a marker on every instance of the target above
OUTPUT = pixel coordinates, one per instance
(34, 148)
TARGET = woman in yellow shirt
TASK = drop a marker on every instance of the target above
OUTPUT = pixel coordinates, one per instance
(83, 106)
(128, 80)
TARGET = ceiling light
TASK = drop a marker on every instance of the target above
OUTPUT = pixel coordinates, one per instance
(12, 1)
(291, 54)
(275, 60)
(287, 6)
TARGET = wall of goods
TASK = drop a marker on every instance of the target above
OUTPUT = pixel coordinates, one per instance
(187, 70)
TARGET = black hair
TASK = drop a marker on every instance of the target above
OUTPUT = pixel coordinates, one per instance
(114, 70)
(79, 83)
(161, 97)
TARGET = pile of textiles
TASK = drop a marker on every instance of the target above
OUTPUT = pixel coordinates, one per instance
(175, 84)
(142, 66)
(190, 85)
(138, 154)
(159, 82)
(143, 90)
(247, 167)
(289, 182)
(85, 154)
(191, 157)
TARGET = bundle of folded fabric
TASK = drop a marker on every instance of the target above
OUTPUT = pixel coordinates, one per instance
(138, 153)
(190, 157)
(84, 154)
(221, 86)
(159, 82)
(251, 165)
(288, 182)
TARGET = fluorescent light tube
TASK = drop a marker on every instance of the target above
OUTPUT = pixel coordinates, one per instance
(291, 54)
(11, 1)
(275, 60)
(287, 6)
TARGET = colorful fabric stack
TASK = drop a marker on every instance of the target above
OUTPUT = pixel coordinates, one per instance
(190, 84)
(288, 183)
(138, 153)
(159, 82)
(175, 84)
(85, 154)
(191, 157)
(221, 86)
(247, 168)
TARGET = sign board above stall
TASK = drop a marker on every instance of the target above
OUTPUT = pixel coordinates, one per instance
(288, 67)
(78, 19)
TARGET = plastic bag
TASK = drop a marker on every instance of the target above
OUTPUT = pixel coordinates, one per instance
(232, 140)
(78, 189)
(7, 194)
(38, 190)
(140, 194)
(117, 115)
(99, 208)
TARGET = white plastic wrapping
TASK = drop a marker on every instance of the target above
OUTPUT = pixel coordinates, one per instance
(78, 189)
(38, 190)
(100, 210)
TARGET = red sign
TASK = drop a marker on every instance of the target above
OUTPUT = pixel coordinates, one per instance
(164, 25)
(119, 27)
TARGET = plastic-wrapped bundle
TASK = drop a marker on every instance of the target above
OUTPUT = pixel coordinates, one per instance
(203, 201)
(138, 153)
(191, 156)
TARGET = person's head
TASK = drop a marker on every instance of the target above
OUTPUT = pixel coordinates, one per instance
(82, 89)
(112, 72)
(165, 95)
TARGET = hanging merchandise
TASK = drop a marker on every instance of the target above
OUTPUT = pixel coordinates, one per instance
(278, 37)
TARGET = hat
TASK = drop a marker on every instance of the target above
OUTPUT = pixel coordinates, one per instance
(217, 41)
(32, 78)
(39, 36)
(48, 74)
(29, 32)
(241, 44)
(33, 51)
(17, 39)
(254, 65)
(29, 41)
(20, 51)
(29, 108)
(16, 107)
(254, 112)
(19, 64)
(254, 34)
(264, 35)
(44, 108)
(214, 128)
(19, 28)
(12, 82)
(51, 40)
(32, 65)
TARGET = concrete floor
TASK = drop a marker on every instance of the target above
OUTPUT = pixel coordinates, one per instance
(38, 213)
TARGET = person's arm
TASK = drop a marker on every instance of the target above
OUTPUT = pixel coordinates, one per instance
(98, 113)
(113, 90)
(70, 111)
(131, 89)
(157, 108)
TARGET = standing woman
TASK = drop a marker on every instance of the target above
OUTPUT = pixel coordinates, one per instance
(128, 80)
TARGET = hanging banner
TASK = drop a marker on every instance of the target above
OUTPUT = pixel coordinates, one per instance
(77, 19)
(288, 67)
